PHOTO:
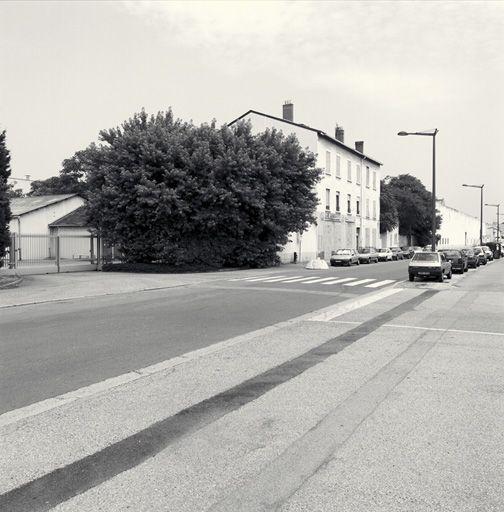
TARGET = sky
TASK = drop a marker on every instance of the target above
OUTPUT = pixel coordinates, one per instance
(70, 69)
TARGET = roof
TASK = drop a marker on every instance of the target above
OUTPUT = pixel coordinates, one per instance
(75, 219)
(320, 133)
(22, 205)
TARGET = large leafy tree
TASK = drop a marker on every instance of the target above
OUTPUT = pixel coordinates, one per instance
(167, 191)
(5, 212)
(414, 204)
(71, 179)
(389, 216)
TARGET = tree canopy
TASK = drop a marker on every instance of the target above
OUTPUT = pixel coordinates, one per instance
(414, 206)
(5, 212)
(389, 216)
(164, 190)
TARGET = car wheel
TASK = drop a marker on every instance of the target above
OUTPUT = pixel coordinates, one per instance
(358, 262)
(440, 278)
(411, 277)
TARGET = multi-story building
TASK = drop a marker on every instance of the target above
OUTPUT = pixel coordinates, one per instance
(349, 191)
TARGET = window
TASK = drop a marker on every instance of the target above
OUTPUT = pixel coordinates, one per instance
(374, 180)
(349, 170)
(374, 210)
(367, 176)
(338, 166)
(367, 208)
(349, 203)
(359, 173)
(337, 202)
(327, 198)
(357, 206)
(328, 162)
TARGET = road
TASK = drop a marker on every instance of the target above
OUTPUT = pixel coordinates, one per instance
(288, 396)
(50, 349)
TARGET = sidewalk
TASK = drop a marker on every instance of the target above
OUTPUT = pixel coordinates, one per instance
(64, 286)
(394, 406)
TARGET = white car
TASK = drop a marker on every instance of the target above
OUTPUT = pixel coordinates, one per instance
(385, 255)
(429, 264)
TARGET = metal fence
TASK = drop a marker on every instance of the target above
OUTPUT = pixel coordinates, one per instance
(56, 253)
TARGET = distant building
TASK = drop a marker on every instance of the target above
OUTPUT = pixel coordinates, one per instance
(349, 193)
(457, 228)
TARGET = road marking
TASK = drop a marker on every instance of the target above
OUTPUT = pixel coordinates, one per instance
(298, 280)
(281, 279)
(380, 283)
(357, 283)
(342, 308)
(420, 328)
(243, 278)
(319, 280)
(251, 280)
(338, 281)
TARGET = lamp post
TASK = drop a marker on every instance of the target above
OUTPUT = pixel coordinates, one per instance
(497, 238)
(481, 208)
(430, 133)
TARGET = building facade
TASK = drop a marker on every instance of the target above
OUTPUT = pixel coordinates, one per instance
(348, 214)
(457, 228)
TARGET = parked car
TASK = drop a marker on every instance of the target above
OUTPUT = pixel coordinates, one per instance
(367, 255)
(429, 264)
(397, 253)
(457, 258)
(496, 248)
(384, 255)
(488, 252)
(472, 258)
(480, 254)
(405, 252)
(344, 257)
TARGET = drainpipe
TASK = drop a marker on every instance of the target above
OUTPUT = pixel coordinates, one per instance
(363, 174)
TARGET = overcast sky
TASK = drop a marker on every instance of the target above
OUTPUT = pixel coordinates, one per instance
(69, 69)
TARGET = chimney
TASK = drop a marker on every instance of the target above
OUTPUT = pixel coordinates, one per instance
(27, 176)
(288, 111)
(339, 133)
(359, 146)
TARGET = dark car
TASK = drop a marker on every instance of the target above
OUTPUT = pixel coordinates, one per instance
(429, 264)
(496, 248)
(472, 258)
(397, 253)
(480, 254)
(458, 260)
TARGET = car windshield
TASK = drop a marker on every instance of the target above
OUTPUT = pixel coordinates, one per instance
(452, 254)
(383, 250)
(425, 256)
(485, 248)
(477, 250)
(468, 252)
(343, 251)
(364, 251)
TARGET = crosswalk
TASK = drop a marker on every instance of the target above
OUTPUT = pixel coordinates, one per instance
(324, 281)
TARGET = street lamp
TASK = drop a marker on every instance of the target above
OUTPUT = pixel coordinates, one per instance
(430, 133)
(498, 215)
(481, 209)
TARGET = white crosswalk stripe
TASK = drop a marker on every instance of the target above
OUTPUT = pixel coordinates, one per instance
(380, 283)
(357, 283)
(319, 280)
(338, 281)
(298, 280)
(253, 280)
(281, 279)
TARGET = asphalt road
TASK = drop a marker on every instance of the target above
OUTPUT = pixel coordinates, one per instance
(49, 349)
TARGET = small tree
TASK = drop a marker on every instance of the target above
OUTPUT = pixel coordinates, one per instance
(414, 208)
(5, 212)
(168, 191)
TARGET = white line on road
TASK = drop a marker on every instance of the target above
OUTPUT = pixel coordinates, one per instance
(319, 280)
(357, 283)
(298, 280)
(338, 281)
(251, 280)
(380, 283)
(281, 279)
(342, 308)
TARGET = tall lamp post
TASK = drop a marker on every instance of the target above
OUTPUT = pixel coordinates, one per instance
(481, 208)
(430, 133)
(497, 238)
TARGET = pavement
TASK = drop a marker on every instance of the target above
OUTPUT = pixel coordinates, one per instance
(352, 399)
